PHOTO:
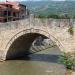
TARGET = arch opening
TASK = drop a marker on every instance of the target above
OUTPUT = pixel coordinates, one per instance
(26, 41)
(27, 44)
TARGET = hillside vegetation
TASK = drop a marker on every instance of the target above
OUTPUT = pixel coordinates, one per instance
(48, 8)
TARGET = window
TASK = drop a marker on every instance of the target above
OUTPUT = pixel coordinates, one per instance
(0, 20)
(14, 14)
(10, 6)
(23, 17)
(9, 13)
(6, 5)
(9, 19)
(5, 20)
(14, 19)
(5, 13)
(0, 14)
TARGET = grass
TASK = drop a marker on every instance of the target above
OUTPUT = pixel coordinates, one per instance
(67, 60)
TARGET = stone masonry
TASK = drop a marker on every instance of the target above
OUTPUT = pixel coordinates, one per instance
(54, 29)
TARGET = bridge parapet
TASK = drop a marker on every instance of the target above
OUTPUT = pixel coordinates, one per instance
(36, 22)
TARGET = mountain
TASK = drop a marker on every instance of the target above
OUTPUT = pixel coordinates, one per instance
(51, 7)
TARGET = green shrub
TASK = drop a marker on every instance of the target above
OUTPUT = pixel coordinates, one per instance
(41, 16)
(55, 16)
(70, 30)
(67, 60)
(64, 16)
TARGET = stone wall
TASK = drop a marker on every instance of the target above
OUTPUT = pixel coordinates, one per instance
(54, 29)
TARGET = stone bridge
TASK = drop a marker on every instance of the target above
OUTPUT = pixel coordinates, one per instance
(20, 35)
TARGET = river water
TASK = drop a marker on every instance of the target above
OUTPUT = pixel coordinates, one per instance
(41, 63)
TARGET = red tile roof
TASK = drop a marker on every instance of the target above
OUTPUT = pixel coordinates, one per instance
(9, 3)
(14, 4)
(2, 7)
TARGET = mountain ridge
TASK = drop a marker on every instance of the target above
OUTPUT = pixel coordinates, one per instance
(51, 7)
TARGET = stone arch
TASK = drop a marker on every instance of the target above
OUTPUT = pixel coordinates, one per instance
(38, 31)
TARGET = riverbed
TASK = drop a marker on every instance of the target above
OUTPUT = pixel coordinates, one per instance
(41, 63)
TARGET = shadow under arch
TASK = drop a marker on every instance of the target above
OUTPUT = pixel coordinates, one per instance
(20, 45)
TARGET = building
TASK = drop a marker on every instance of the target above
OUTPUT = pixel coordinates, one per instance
(12, 11)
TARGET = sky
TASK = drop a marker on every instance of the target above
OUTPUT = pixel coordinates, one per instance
(30, 0)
